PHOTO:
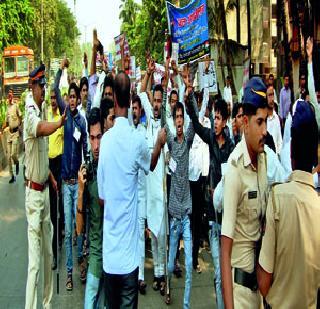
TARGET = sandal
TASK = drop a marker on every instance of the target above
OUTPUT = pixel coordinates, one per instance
(69, 284)
(142, 287)
(168, 299)
(83, 271)
(156, 284)
(162, 283)
(198, 269)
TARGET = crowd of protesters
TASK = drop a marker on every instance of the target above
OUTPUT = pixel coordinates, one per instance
(170, 162)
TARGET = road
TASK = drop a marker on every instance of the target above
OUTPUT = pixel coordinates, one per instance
(14, 264)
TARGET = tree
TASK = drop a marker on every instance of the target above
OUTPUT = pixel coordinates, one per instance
(60, 30)
(16, 26)
(218, 25)
(144, 27)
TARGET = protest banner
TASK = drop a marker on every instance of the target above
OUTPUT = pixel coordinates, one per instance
(207, 79)
(188, 27)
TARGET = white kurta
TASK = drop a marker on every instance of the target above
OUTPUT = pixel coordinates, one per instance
(155, 179)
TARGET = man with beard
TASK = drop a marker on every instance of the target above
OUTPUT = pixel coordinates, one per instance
(75, 145)
(155, 199)
(245, 201)
(37, 193)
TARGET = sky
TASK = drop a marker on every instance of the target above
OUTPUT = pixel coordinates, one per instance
(100, 14)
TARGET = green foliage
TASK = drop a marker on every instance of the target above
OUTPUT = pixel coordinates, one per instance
(16, 22)
(3, 111)
(60, 30)
(21, 24)
(145, 28)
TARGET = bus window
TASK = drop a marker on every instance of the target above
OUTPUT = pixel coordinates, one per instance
(22, 66)
(9, 67)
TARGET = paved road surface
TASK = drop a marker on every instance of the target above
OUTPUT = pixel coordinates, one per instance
(14, 263)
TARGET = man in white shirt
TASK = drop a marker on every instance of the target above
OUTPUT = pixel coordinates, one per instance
(273, 121)
(123, 152)
(136, 109)
(156, 214)
(227, 92)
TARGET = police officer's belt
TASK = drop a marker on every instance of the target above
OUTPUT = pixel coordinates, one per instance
(248, 280)
(35, 186)
(14, 130)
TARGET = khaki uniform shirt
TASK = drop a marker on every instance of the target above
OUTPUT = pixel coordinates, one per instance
(36, 148)
(291, 244)
(12, 116)
(245, 200)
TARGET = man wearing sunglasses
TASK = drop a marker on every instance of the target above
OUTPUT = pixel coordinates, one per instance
(38, 174)
(75, 142)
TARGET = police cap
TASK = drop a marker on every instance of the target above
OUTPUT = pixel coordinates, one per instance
(255, 93)
(37, 76)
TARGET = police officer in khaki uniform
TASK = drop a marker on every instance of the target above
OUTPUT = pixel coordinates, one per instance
(245, 201)
(289, 264)
(37, 190)
(13, 120)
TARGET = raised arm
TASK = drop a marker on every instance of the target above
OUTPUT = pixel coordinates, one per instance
(57, 92)
(204, 133)
(311, 88)
(93, 67)
(204, 104)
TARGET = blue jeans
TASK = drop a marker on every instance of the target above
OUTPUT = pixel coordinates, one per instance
(94, 296)
(214, 237)
(70, 199)
(181, 227)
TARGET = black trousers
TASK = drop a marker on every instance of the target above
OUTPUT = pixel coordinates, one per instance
(55, 167)
(121, 291)
(196, 218)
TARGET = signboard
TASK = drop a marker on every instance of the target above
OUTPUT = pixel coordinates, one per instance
(188, 27)
(117, 40)
(207, 79)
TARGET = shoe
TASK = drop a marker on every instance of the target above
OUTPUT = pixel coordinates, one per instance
(17, 168)
(69, 284)
(162, 284)
(54, 264)
(142, 287)
(177, 270)
(83, 271)
(156, 284)
(12, 180)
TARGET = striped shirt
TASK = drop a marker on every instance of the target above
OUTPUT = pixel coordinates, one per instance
(180, 203)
